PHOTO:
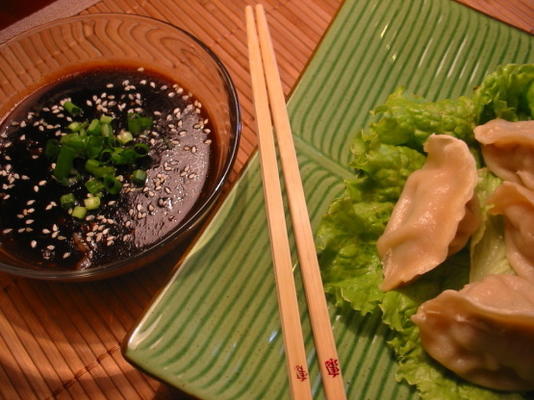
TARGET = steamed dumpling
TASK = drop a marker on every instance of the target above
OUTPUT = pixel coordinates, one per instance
(516, 203)
(484, 332)
(508, 149)
(435, 214)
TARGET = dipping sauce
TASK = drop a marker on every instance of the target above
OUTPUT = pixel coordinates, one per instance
(37, 230)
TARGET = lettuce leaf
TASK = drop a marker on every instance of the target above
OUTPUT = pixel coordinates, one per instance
(487, 248)
(507, 93)
(409, 120)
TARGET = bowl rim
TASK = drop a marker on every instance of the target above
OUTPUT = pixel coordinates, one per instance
(112, 269)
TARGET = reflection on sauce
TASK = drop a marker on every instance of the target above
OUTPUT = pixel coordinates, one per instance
(33, 224)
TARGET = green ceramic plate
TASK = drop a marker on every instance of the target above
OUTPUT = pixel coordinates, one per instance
(214, 331)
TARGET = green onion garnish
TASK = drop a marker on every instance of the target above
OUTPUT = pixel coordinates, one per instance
(138, 177)
(112, 184)
(64, 163)
(92, 203)
(94, 127)
(79, 212)
(94, 186)
(52, 148)
(124, 137)
(106, 119)
(72, 108)
(141, 149)
(67, 200)
(100, 171)
(137, 123)
(106, 130)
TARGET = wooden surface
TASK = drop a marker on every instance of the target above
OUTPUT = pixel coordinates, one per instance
(63, 340)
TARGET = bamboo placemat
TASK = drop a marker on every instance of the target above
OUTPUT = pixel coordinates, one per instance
(63, 340)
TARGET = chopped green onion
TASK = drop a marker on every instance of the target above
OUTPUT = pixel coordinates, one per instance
(79, 212)
(92, 203)
(141, 149)
(124, 137)
(112, 184)
(137, 123)
(100, 171)
(94, 127)
(94, 186)
(138, 177)
(52, 149)
(67, 200)
(94, 146)
(64, 163)
(105, 155)
(106, 119)
(76, 126)
(74, 141)
(72, 108)
(106, 130)
(123, 156)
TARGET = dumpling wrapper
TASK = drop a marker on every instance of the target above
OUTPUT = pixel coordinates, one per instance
(516, 203)
(484, 332)
(435, 214)
(508, 149)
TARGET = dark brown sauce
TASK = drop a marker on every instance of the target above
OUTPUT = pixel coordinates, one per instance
(37, 231)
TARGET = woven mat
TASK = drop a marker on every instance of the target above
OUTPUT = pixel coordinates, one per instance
(63, 340)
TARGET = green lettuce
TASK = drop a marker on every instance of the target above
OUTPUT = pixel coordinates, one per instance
(487, 248)
(507, 93)
(383, 156)
(408, 120)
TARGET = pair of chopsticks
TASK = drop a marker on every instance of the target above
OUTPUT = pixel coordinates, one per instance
(269, 98)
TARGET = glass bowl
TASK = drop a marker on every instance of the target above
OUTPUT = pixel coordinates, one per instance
(49, 52)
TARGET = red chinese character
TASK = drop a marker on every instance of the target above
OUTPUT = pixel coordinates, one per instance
(332, 366)
(302, 375)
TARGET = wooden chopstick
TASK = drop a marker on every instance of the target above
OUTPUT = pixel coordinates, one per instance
(319, 317)
(285, 283)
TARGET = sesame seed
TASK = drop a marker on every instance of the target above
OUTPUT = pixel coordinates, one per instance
(36, 188)
(50, 247)
(55, 228)
(207, 141)
(66, 255)
(23, 124)
(7, 230)
(30, 202)
(46, 231)
(29, 221)
(42, 183)
(33, 243)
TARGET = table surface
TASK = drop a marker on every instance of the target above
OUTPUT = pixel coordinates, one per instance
(63, 340)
